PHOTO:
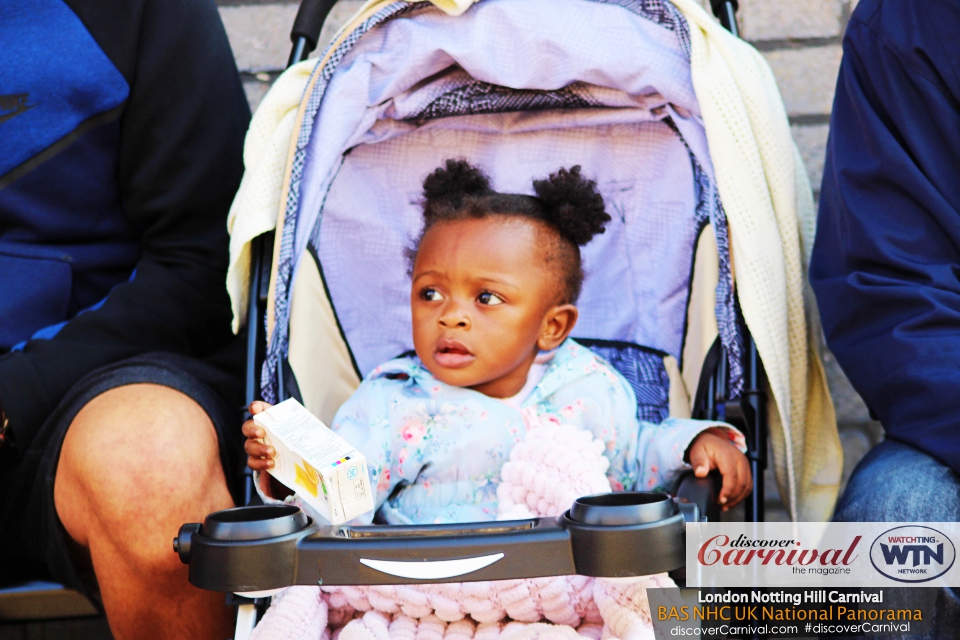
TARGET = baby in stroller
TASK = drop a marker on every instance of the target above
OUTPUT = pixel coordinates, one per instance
(495, 278)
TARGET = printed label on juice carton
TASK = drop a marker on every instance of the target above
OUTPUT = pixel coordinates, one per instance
(320, 466)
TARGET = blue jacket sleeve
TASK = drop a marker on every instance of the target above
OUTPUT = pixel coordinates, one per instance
(887, 255)
(178, 160)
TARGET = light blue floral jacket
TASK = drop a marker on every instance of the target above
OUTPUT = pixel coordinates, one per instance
(444, 446)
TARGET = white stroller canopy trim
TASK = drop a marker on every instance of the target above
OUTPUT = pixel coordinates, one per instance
(431, 569)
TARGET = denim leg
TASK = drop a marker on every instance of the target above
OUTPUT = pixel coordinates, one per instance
(898, 483)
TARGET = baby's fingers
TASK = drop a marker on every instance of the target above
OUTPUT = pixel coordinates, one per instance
(259, 406)
(700, 460)
(743, 467)
(260, 464)
(733, 482)
(740, 483)
(251, 429)
(257, 449)
(260, 455)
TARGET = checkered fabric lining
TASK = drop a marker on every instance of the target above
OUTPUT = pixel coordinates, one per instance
(644, 369)
(710, 209)
(483, 97)
(658, 11)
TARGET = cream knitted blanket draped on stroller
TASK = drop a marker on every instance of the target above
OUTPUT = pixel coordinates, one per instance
(768, 203)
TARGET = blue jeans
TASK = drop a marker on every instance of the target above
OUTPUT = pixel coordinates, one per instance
(898, 483)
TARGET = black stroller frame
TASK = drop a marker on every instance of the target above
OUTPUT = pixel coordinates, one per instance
(258, 548)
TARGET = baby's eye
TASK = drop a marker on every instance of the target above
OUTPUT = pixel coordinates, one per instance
(489, 298)
(430, 295)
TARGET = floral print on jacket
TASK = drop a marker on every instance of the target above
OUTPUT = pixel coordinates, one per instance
(435, 451)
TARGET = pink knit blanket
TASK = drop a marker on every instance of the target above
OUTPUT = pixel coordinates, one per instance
(546, 471)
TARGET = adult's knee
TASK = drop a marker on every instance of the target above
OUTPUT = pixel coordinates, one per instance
(143, 452)
(896, 482)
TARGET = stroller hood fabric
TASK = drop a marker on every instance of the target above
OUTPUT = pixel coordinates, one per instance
(655, 69)
(386, 119)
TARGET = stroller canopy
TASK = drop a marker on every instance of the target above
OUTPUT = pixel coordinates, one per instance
(520, 88)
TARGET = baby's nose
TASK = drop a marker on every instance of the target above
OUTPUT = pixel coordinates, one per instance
(455, 318)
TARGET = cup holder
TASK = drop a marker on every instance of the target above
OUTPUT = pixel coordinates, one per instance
(255, 523)
(623, 508)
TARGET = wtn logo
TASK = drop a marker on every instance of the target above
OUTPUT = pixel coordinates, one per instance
(899, 554)
(912, 554)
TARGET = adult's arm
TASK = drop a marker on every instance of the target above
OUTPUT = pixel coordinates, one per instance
(886, 262)
(181, 137)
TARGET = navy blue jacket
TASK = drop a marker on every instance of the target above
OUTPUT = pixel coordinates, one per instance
(886, 262)
(121, 133)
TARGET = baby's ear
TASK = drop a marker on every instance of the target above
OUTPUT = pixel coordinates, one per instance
(557, 325)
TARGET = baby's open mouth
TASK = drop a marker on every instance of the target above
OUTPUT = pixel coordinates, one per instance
(452, 354)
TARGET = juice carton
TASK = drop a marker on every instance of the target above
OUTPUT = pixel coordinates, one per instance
(320, 466)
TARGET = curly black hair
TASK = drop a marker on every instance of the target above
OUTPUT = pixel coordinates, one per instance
(566, 202)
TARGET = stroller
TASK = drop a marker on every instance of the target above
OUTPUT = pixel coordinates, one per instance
(697, 277)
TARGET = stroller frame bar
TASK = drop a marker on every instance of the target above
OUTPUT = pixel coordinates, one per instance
(255, 549)
(305, 33)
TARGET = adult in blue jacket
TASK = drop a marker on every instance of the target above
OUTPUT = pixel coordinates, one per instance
(886, 262)
(121, 133)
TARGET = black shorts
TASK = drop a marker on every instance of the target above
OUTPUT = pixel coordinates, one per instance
(32, 539)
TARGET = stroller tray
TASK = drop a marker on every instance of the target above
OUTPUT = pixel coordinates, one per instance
(268, 547)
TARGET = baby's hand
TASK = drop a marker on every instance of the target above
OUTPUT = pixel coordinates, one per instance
(713, 450)
(260, 455)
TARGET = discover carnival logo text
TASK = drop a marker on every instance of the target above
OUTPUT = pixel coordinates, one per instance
(811, 554)
(743, 551)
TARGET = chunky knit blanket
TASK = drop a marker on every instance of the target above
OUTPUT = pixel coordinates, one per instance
(546, 471)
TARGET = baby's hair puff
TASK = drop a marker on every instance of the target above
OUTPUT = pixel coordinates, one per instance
(572, 204)
(446, 188)
(566, 202)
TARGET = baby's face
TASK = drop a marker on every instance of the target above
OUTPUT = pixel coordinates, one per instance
(484, 303)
